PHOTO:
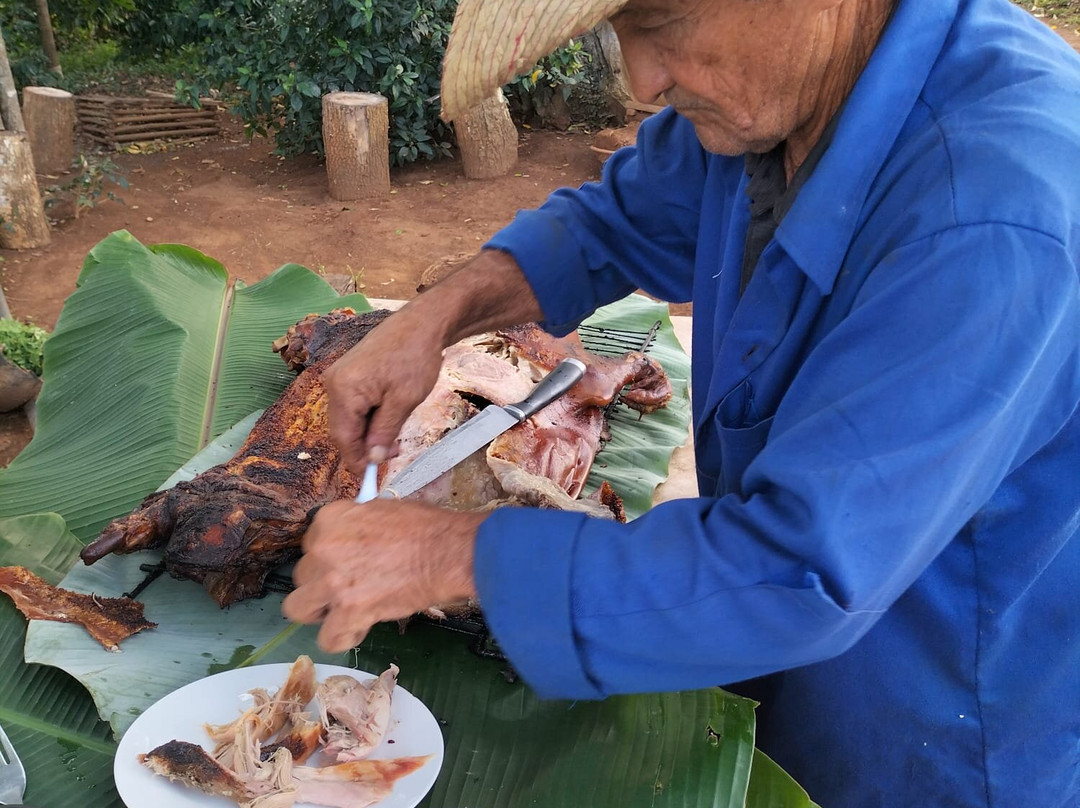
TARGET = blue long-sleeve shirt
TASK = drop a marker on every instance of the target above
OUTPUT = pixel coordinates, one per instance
(886, 425)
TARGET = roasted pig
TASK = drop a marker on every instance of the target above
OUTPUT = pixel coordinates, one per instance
(231, 525)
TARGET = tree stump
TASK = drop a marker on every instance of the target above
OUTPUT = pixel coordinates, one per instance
(17, 386)
(356, 137)
(49, 115)
(487, 139)
(23, 225)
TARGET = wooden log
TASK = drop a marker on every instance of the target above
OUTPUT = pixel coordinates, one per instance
(163, 126)
(10, 114)
(132, 137)
(49, 114)
(356, 137)
(17, 386)
(23, 225)
(152, 117)
(487, 139)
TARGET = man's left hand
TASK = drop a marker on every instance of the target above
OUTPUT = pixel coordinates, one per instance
(384, 560)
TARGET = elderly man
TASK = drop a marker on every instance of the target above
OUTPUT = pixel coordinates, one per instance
(874, 206)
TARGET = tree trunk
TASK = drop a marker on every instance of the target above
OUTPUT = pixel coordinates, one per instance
(356, 137)
(10, 115)
(23, 225)
(49, 115)
(487, 139)
(48, 42)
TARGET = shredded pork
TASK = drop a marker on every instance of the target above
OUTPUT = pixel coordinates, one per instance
(256, 762)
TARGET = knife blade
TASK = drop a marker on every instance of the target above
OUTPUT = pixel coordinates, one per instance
(480, 430)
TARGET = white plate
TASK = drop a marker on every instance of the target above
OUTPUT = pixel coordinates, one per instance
(220, 698)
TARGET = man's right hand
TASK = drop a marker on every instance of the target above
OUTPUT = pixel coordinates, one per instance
(376, 385)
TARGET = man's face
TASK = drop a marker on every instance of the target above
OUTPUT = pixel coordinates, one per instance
(746, 73)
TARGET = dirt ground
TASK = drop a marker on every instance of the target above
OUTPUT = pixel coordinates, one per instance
(237, 202)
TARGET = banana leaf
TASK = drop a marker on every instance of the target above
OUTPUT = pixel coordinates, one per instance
(154, 355)
(51, 721)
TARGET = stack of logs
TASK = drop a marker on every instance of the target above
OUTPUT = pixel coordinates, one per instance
(115, 120)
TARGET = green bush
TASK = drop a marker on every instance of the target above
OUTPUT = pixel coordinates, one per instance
(276, 58)
(22, 344)
(161, 28)
(532, 95)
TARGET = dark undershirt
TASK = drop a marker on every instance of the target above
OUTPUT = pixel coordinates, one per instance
(771, 197)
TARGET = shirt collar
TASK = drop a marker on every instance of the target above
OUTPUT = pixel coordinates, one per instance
(818, 229)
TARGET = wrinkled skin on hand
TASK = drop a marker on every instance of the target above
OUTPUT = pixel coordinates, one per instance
(369, 395)
(378, 383)
(385, 560)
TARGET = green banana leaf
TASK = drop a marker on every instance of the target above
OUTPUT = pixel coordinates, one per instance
(154, 355)
(52, 723)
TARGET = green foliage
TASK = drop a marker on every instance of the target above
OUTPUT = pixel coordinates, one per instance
(537, 95)
(94, 42)
(558, 72)
(276, 58)
(162, 27)
(96, 177)
(22, 344)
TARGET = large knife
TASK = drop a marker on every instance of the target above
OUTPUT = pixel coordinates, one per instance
(480, 430)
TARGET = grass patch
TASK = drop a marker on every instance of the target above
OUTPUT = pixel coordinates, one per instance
(91, 65)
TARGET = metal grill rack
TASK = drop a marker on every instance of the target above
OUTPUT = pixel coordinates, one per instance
(600, 341)
(615, 342)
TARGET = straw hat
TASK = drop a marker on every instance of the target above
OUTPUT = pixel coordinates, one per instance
(494, 41)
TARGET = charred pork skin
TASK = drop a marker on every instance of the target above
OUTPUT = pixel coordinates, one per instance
(232, 524)
(110, 621)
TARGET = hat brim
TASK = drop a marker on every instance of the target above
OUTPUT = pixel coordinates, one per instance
(494, 41)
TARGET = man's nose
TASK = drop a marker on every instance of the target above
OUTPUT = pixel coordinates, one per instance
(649, 77)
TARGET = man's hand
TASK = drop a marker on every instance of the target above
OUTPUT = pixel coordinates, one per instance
(376, 385)
(364, 564)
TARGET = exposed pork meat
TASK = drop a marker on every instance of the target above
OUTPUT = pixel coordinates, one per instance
(356, 714)
(300, 739)
(279, 784)
(109, 620)
(550, 452)
(352, 785)
(232, 524)
(255, 774)
(191, 765)
(267, 715)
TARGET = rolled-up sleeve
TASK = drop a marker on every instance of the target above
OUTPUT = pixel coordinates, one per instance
(958, 360)
(635, 229)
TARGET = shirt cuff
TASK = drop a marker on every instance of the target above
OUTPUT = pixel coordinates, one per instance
(553, 264)
(523, 569)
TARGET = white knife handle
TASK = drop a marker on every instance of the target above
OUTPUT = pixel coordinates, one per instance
(561, 379)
